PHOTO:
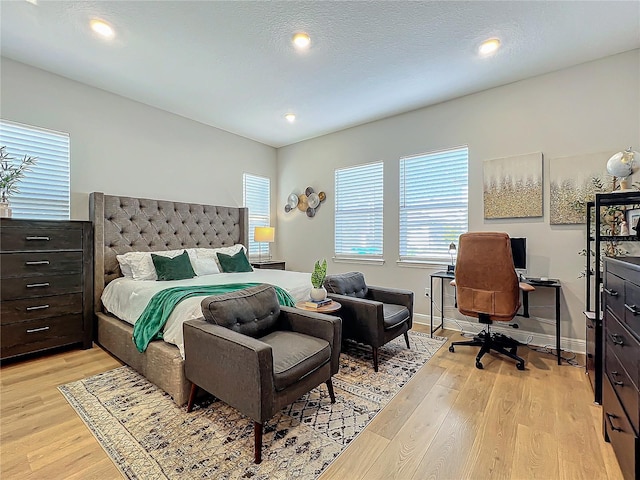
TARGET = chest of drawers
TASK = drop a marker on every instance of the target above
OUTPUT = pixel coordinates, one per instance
(46, 285)
(621, 365)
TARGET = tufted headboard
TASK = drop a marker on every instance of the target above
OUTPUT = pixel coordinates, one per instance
(126, 224)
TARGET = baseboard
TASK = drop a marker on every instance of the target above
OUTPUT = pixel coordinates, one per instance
(539, 339)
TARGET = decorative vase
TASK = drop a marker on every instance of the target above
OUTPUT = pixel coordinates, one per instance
(5, 210)
(318, 294)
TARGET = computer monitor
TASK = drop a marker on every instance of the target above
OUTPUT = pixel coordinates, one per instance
(519, 251)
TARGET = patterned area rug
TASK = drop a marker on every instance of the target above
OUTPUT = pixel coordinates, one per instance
(148, 436)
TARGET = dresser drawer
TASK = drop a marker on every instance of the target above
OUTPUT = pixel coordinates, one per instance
(30, 287)
(12, 311)
(29, 238)
(614, 294)
(34, 335)
(625, 347)
(632, 308)
(618, 430)
(42, 263)
(624, 388)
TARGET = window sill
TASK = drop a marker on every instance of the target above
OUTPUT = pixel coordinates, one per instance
(364, 261)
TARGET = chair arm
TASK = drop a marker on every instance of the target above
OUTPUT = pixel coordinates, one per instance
(235, 368)
(396, 296)
(362, 319)
(320, 325)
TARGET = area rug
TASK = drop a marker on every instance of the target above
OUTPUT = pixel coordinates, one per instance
(149, 437)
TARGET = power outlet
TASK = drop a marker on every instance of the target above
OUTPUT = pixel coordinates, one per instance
(427, 292)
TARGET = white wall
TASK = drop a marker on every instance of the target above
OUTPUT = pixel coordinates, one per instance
(122, 147)
(585, 109)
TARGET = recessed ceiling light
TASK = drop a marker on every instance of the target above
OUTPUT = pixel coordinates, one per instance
(33, 2)
(301, 40)
(489, 46)
(291, 117)
(102, 28)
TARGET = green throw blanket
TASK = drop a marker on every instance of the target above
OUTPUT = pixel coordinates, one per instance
(149, 325)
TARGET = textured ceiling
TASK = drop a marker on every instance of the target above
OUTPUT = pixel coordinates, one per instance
(232, 65)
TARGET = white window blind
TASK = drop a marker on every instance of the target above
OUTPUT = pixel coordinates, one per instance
(433, 204)
(44, 190)
(257, 198)
(359, 211)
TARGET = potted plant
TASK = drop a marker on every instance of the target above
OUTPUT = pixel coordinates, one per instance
(11, 172)
(318, 292)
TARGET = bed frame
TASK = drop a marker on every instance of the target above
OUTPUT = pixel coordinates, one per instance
(126, 224)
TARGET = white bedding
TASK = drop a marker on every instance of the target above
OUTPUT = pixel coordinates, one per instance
(127, 298)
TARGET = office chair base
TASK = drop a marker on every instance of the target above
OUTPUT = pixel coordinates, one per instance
(497, 342)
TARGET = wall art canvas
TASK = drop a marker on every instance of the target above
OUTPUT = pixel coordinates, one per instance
(513, 187)
(573, 181)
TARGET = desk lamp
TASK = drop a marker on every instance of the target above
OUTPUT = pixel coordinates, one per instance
(452, 252)
(263, 234)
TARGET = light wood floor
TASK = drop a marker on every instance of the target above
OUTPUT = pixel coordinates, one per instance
(451, 421)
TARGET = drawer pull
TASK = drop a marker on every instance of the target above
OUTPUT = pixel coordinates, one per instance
(616, 339)
(632, 309)
(613, 293)
(611, 416)
(38, 238)
(589, 326)
(39, 262)
(38, 307)
(36, 285)
(34, 330)
(617, 382)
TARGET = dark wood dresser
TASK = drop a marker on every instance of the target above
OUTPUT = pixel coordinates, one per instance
(46, 275)
(621, 372)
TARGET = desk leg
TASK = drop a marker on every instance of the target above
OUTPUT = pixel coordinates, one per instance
(441, 302)
(525, 304)
(558, 326)
(431, 303)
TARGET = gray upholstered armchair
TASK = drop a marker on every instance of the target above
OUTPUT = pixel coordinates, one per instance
(371, 315)
(257, 356)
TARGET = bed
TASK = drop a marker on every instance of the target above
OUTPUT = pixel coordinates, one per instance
(127, 224)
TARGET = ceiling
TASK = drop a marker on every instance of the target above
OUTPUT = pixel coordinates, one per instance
(232, 65)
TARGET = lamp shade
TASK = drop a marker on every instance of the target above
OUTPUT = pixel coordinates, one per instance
(264, 234)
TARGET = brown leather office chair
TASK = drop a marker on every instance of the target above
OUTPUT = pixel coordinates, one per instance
(487, 288)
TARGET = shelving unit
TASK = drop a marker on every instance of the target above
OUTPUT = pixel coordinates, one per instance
(593, 313)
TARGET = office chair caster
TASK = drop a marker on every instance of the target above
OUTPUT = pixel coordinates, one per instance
(451, 348)
(479, 365)
(520, 365)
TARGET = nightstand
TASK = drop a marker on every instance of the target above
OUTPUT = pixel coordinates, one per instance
(269, 264)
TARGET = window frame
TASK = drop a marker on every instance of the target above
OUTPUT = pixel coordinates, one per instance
(45, 191)
(425, 260)
(375, 214)
(256, 250)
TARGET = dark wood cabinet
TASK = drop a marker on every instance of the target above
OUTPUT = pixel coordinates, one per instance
(46, 285)
(621, 363)
(269, 264)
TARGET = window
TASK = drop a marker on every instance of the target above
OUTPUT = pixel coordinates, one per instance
(433, 204)
(257, 198)
(359, 212)
(44, 191)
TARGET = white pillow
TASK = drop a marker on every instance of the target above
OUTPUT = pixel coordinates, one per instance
(204, 261)
(141, 265)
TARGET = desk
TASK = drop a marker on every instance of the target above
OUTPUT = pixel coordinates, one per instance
(555, 284)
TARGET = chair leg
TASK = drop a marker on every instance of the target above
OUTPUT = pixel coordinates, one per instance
(192, 397)
(257, 441)
(330, 388)
(406, 339)
(375, 359)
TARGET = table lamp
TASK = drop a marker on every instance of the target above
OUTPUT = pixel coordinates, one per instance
(263, 235)
(452, 252)
(622, 165)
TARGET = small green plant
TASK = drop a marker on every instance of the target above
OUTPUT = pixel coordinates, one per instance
(319, 273)
(11, 172)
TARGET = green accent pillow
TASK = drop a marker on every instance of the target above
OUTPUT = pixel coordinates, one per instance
(176, 268)
(234, 263)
